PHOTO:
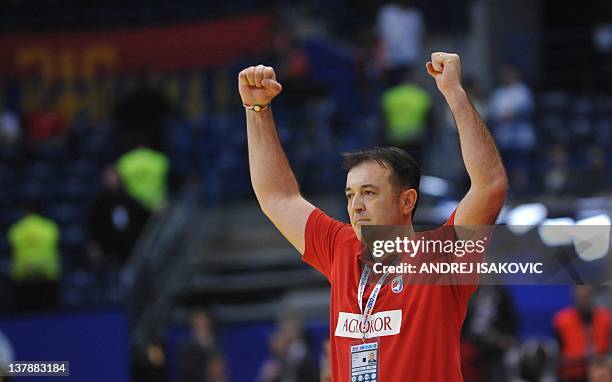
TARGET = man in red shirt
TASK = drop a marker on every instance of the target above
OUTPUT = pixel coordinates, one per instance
(583, 333)
(384, 331)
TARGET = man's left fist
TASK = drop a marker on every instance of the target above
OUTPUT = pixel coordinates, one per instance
(446, 69)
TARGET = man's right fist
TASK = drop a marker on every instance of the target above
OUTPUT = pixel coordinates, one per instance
(257, 85)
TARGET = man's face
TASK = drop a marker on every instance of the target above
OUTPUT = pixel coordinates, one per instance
(201, 324)
(372, 198)
(583, 295)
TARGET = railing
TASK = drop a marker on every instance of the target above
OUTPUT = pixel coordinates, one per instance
(159, 261)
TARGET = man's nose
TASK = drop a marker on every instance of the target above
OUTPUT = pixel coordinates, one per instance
(357, 203)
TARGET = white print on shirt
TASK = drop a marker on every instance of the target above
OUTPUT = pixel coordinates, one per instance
(386, 323)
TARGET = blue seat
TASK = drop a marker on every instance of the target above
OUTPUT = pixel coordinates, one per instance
(64, 213)
(82, 168)
(181, 147)
(73, 189)
(77, 287)
(51, 153)
(73, 245)
(10, 215)
(33, 192)
(583, 105)
(11, 154)
(40, 171)
(554, 100)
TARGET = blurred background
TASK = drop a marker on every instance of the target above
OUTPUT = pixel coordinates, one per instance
(131, 242)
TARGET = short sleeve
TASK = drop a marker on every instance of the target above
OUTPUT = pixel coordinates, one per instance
(321, 235)
(451, 219)
(465, 291)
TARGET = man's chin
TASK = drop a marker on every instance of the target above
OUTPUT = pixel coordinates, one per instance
(357, 230)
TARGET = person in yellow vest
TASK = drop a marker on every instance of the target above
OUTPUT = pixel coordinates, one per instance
(406, 108)
(35, 266)
(144, 173)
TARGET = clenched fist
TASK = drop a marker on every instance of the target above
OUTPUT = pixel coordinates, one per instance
(257, 85)
(446, 69)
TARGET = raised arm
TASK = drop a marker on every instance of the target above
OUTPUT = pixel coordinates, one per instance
(273, 181)
(485, 198)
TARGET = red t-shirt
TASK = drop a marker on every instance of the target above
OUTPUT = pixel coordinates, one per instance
(418, 327)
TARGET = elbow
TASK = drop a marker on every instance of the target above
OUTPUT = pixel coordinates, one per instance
(264, 200)
(498, 188)
(266, 206)
(493, 191)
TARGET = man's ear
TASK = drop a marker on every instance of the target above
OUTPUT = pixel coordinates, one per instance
(408, 199)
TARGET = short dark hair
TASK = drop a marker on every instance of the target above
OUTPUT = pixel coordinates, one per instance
(406, 170)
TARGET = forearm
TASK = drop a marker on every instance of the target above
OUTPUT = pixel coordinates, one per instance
(271, 176)
(481, 158)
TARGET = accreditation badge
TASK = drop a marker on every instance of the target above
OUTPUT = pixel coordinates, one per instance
(364, 360)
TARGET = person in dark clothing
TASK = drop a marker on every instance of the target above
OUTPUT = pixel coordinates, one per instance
(115, 222)
(489, 331)
(216, 368)
(150, 365)
(194, 354)
(142, 112)
(291, 357)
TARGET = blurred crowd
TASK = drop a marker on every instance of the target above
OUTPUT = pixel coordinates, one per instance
(291, 354)
(80, 186)
(80, 199)
(86, 180)
(492, 348)
(199, 356)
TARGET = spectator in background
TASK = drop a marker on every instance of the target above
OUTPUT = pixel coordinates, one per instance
(36, 266)
(10, 129)
(144, 173)
(272, 370)
(216, 368)
(560, 178)
(490, 329)
(510, 111)
(45, 124)
(300, 360)
(151, 366)
(594, 177)
(325, 374)
(115, 222)
(195, 354)
(286, 52)
(557, 175)
(302, 111)
(6, 355)
(400, 28)
(291, 358)
(406, 108)
(535, 362)
(142, 113)
(583, 333)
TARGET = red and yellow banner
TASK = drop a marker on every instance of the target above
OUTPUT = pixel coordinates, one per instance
(72, 55)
